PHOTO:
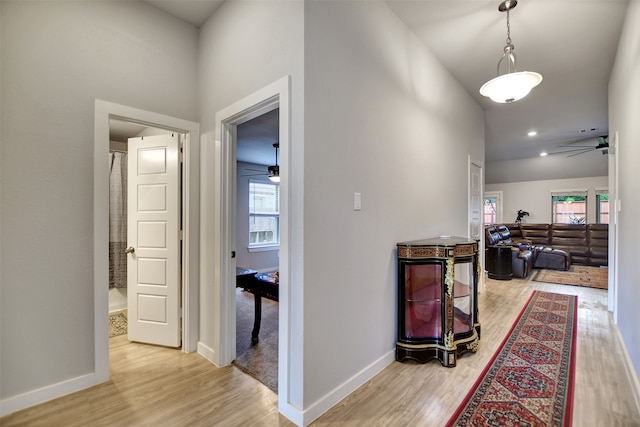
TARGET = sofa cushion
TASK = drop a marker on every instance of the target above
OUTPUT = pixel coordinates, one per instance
(492, 236)
(514, 228)
(598, 238)
(556, 259)
(505, 234)
(538, 234)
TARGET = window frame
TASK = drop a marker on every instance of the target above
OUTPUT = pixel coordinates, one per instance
(497, 195)
(259, 247)
(570, 193)
(600, 192)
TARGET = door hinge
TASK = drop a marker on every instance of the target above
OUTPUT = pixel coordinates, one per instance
(233, 254)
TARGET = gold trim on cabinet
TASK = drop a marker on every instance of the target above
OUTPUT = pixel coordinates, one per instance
(448, 279)
(473, 337)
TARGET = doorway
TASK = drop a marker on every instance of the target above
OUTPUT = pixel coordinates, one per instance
(144, 233)
(257, 241)
(218, 277)
(104, 112)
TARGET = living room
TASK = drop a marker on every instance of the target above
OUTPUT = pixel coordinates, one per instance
(375, 126)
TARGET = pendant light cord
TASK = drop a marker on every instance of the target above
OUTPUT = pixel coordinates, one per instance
(508, 29)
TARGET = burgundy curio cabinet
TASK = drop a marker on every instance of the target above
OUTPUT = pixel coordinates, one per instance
(437, 299)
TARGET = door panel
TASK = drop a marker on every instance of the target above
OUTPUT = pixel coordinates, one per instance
(153, 279)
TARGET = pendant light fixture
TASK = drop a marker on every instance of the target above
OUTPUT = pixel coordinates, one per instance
(274, 171)
(514, 84)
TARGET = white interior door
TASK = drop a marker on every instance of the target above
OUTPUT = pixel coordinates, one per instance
(153, 264)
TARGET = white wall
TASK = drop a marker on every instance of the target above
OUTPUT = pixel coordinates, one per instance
(624, 110)
(383, 118)
(557, 166)
(57, 57)
(535, 197)
(244, 47)
(117, 299)
(263, 261)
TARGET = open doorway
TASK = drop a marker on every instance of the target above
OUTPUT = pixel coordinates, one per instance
(218, 246)
(104, 113)
(145, 205)
(257, 247)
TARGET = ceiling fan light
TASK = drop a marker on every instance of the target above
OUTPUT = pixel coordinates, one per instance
(510, 87)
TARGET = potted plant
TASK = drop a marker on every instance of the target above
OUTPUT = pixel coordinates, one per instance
(521, 214)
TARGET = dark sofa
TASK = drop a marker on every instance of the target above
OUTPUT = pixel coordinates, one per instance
(553, 246)
(588, 244)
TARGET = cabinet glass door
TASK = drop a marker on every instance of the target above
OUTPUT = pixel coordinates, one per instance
(423, 296)
(463, 291)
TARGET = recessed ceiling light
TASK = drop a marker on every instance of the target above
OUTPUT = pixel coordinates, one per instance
(532, 133)
(543, 154)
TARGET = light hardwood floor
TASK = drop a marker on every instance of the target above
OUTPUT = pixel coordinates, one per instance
(162, 387)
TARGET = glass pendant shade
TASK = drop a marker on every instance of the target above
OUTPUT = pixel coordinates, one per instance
(274, 178)
(511, 87)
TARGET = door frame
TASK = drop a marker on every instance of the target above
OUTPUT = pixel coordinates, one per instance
(471, 161)
(218, 242)
(103, 112)
(613, 181)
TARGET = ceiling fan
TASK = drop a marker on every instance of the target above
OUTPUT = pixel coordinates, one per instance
(603, 146)
(273, 172)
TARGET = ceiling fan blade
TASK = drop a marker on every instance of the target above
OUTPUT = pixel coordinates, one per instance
(580, 152)
(256, 170)
(569, 151)
(578, 146)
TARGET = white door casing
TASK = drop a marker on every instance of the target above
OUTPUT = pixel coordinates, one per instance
(475, 201)
(476, 218)
(153, 240)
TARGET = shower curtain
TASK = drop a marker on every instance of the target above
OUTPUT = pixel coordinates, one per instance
(117, 219)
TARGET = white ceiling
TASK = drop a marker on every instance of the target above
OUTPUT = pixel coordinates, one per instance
(572, 43)
(195, 12)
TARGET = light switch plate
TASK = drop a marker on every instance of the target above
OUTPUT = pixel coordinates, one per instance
(357, 201)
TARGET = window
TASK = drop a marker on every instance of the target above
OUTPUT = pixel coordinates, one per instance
(492, 207)
(490, 210)
(264, 214)
(569, 207)
(602, 206)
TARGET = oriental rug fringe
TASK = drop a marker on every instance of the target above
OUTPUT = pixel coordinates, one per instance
(530, 379)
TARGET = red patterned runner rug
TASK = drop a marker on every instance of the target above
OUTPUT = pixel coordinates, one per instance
(530, 379)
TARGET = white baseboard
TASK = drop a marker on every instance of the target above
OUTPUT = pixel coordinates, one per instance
(292, 413)
(629, 370)
(207, 352)
(44, 394)
(336, 395)
(116, 308)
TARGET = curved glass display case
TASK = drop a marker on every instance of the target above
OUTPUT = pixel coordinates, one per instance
(437, 299)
